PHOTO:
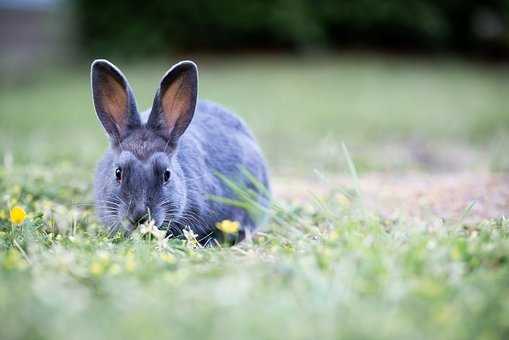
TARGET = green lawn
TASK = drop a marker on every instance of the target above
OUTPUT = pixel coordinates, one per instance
(325, 268)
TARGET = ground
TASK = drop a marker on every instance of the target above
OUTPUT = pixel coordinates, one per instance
(390, 190)
(469, 197)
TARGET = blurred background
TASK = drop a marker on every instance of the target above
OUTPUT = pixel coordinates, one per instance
(406, 84)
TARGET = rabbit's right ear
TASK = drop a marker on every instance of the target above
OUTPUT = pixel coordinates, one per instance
(175, 101)
(113, 100)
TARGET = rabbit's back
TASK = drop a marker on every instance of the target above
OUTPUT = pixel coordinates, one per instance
(219, 146)
(215, 123)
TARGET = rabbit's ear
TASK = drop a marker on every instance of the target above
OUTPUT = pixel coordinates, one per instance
(113, 99)
(175, 101)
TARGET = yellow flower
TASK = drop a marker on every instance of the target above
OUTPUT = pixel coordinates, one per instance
(334, 235)
(99, 265)
(130, 262)
(168, 258)
(96, 268)
(18, 215)
(228, 227)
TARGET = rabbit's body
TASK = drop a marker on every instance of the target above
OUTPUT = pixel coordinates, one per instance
(217, 169)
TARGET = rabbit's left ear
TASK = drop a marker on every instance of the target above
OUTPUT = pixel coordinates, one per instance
(175, 101)
(113, 100)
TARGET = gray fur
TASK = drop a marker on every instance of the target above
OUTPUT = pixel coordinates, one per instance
(203, 145)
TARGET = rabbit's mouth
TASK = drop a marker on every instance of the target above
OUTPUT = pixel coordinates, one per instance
(130, 224)
(127, 222)
(127, 227)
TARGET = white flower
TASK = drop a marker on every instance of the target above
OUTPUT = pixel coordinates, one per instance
(150, 228)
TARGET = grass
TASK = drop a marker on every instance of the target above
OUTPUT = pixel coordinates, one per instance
(317, 271)
(325, 268)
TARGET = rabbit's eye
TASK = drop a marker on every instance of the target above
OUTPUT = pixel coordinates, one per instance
(118, 174)
(166, 175)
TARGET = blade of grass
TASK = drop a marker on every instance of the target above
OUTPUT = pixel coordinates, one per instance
(355, 177)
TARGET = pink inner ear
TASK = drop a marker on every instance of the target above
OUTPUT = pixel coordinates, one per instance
(175, 101)
(114, 101)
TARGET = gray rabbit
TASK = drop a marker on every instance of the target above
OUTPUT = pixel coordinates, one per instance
(184, 163)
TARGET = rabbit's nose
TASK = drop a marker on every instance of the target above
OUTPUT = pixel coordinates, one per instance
(139, 216)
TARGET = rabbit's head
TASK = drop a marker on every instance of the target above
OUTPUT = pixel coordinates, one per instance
(139, 178)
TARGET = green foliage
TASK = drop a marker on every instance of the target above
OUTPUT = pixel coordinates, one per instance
(316, 271)
(161, 26)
